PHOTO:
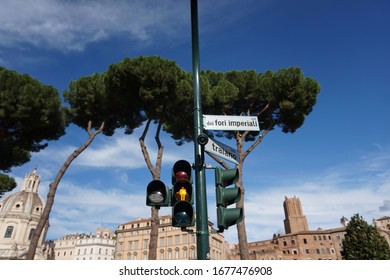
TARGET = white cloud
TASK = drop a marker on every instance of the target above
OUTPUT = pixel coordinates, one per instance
(71, 25)
(340, 191)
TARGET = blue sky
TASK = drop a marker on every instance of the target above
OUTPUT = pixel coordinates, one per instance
(337, 163)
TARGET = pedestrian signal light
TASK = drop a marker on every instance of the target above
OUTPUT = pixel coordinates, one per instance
(182, 195)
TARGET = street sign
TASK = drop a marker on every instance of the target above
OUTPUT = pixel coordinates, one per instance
(242, 123)
(223, 151)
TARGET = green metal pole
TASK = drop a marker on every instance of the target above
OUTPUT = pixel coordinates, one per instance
(202, 229)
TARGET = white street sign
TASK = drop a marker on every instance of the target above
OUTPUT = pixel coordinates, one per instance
(223, 151)
(243, 123)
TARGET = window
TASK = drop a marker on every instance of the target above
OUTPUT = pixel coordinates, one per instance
(161, 254)
(177, 239)
(304, 241)
(177, 254)
(31, 233)
(120, 246)
(162, 241)
(8, 232)
(293, 242)
(146, 243)
(192, 253)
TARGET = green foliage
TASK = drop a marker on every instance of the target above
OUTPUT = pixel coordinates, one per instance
(157, 89)
(363, 242)
(30, 113)
(7, 184)
(283, 99)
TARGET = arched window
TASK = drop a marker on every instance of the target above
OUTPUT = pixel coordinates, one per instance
(161, 254)
(8, 232)
(185, 253)
(193, 256)
(177, 253)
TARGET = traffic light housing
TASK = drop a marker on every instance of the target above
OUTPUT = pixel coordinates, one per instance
(182, 195)
(157, 194)
(227, 217)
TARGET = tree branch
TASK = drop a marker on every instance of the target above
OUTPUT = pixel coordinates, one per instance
(160, 148)
(145, 150)
(52, 191)
(258, 141)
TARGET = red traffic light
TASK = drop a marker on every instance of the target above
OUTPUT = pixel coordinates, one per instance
(181, 176)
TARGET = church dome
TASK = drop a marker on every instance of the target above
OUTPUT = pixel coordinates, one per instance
(23, 202)
(26, 201)
(20, 213)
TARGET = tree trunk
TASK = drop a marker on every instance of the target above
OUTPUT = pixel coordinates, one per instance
(52, 191)
(241, 230)
(155, 171)
(154, 225)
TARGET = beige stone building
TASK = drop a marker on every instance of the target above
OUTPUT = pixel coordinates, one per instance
(100, 246)
(19, 215)
(173, 244)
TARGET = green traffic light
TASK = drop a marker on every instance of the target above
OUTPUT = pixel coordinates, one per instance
(182, 214)
(226, 196)
(226, 177)
(228, 217)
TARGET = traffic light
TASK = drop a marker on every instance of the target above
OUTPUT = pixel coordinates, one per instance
(227, 217)
(157, 194)
(182, 195)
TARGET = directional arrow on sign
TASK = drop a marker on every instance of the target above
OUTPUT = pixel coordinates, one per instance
(223, 151)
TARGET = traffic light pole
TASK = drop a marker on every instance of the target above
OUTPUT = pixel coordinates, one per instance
(202, 230)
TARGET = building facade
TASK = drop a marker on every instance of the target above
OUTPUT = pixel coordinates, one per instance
(100, 246)
(305, 245)
(383, 227)
(19, 215)
(298, 243)
(133, 242)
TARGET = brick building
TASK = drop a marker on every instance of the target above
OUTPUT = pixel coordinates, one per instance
(299, 243)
